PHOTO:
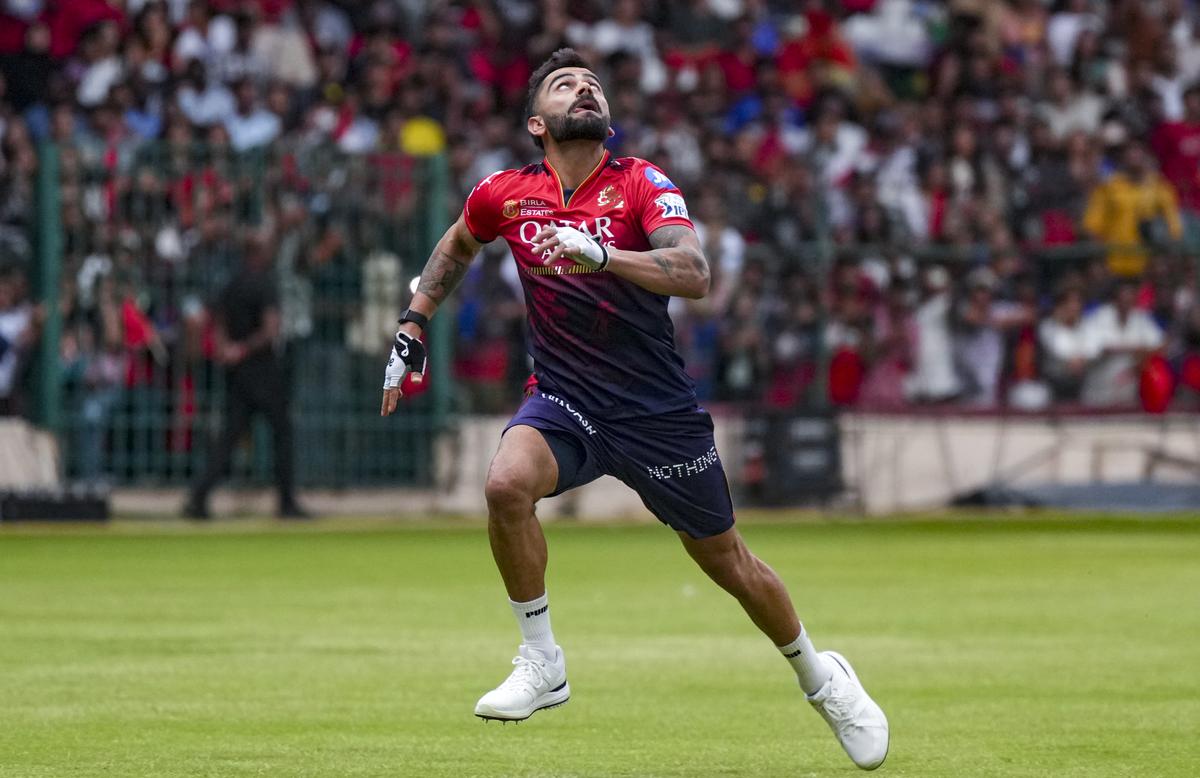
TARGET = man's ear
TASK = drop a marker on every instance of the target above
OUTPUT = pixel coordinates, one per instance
(612, 133)
(536, 126)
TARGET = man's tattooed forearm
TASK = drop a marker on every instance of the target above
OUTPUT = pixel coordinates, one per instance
(441, 275)
(664, 264)
(666, 238)
(670, 256)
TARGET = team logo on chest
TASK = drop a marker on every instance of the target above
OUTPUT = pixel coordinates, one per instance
(609, 195)
(529, 206)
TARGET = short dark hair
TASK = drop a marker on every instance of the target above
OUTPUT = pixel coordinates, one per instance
(563, 58)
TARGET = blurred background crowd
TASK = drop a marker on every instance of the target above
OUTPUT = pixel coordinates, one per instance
(976, 203)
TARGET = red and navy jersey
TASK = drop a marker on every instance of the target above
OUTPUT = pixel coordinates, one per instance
(603, 342)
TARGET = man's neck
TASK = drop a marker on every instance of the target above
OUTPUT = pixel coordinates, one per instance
(574, 160)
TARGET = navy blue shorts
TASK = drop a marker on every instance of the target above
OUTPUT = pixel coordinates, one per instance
(670, 459)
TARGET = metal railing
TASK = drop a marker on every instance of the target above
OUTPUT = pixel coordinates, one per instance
(134, 248)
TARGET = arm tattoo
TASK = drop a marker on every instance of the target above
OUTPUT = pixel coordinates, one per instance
(670, 256)
(441, 275)
(663, 264)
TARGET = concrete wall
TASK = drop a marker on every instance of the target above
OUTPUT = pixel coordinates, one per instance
(28, 456)
(890, 463)
(896, 463)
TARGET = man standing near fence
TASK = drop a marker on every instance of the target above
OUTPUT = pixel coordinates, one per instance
(247, 344)
(602, 244)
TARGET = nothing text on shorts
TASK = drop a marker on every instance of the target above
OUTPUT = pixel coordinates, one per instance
(697, 465)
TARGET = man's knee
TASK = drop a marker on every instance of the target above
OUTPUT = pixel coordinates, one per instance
(508, 494)
(523, 471)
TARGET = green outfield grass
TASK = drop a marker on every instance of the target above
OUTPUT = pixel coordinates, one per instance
(997, 648)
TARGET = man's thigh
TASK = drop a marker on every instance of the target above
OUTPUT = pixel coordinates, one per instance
(671, 461)
(566, 434)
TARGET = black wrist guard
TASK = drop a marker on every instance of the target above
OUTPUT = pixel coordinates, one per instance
(419, 319)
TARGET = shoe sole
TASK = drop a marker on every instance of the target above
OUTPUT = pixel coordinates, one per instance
(552, 703)
(841, 660)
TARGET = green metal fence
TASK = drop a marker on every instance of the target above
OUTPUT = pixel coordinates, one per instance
(135, 246)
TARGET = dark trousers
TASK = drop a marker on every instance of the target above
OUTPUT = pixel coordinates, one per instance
(255, 387)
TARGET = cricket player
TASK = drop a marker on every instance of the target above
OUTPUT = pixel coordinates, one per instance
(602, 244)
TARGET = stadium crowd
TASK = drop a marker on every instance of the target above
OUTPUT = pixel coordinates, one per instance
(965, 202)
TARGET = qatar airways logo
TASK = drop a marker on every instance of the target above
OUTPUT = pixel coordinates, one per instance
(599, 229)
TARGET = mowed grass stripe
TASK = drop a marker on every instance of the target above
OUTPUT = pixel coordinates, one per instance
(1000, 648)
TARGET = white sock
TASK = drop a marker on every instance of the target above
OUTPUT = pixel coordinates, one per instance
(533, 618)
(811, 668)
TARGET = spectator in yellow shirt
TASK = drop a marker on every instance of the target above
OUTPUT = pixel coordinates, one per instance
(1135, 207)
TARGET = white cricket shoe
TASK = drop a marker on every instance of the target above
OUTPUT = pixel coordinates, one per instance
(535, 683)
(855, 719)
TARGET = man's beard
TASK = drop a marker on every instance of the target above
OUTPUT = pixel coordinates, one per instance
(588, 126)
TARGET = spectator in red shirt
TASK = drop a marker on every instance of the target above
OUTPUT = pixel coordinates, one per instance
(820, 51)
(739, 60)
(69, 20)
(1177, 146)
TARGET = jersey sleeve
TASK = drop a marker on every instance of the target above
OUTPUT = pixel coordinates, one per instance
(660, 202)
(481, 211)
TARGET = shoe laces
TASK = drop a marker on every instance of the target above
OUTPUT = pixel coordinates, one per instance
(528, 672)
(840, 702)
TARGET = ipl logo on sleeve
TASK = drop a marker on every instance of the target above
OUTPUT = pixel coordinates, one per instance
(672, 206)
